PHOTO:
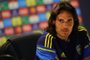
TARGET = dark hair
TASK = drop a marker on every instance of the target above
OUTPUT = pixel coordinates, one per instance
(62, 6)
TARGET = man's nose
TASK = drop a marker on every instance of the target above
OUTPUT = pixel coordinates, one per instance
(65, 24)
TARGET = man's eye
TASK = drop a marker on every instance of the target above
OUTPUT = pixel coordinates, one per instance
(69, 20)
(61, 20)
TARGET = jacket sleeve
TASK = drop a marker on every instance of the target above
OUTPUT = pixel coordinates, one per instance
(44, 50)
(86, 41)
(86, 48)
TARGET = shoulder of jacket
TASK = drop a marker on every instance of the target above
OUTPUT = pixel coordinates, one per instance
(48, 40)
(83, 31)
(82, 28)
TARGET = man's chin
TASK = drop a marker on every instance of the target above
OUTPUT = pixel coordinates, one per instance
(65, 35)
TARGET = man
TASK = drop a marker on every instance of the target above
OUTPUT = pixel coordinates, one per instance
(64, 39)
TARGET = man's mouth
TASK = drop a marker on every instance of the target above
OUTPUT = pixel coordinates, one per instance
(64, 30)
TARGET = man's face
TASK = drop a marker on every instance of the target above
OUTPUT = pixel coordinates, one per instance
(64, 24)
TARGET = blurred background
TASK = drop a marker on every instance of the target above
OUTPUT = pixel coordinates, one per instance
(19, 17)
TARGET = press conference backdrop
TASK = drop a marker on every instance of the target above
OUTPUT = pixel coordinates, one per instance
(19, 17)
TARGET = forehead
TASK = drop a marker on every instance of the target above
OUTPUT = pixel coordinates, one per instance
(65, 14)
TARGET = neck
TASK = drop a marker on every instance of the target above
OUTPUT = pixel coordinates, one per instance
(63, 38)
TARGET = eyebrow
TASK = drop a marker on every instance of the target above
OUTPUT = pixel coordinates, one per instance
(68, 17)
